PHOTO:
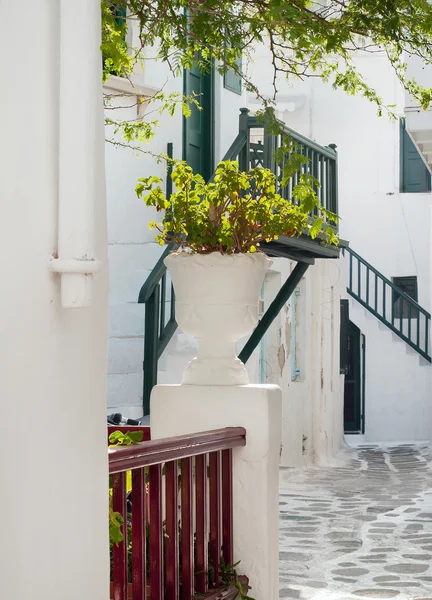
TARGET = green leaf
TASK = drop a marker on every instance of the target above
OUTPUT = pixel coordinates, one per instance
(135, 436)
(316, 227)
(116, 436)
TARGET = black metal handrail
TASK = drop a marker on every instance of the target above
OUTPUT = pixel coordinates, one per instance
(388, 303)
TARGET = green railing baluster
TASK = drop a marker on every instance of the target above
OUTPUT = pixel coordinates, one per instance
(268, 142)
(162, 304)
(327, 183)
(321, 180)
(314, 172)
(305, 165)
(409, 321)
(384, 300)
(418, 328)
(333, 200)
(359, 279)
(151, 332)
(350, 271)
(427, 337)
(376, 292)
(244, 156)
(367, 285)
(315, 168)
(169, 182)
(172, 303)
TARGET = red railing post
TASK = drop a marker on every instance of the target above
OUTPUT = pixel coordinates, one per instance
(120, 563)
(156, 534)
(139, 565)
(187, 547)
(215, 515)
(201, 567)
(227, 507)
(172, 529)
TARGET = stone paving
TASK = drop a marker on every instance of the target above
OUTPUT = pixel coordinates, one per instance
(362, 529)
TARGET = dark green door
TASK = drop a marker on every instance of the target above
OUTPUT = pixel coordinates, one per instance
(354, 382)
(198, 129)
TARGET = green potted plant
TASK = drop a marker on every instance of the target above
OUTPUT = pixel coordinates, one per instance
(219, 269)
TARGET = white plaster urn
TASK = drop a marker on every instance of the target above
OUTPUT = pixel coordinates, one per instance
(217, 302)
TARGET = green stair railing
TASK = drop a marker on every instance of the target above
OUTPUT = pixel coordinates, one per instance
(159, 323)
(254, 146)
(388, 303)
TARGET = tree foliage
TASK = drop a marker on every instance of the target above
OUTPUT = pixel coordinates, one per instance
(305, 38)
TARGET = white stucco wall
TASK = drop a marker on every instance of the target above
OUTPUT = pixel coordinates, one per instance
(397, 385)
(52, 360)
(132, 250)
(391, 230)
(312, 402)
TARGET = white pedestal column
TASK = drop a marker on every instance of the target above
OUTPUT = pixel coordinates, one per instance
(182, 409)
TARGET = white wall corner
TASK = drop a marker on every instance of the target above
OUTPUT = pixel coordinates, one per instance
(257, 408)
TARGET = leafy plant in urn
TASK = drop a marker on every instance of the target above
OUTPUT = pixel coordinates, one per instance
(219, 270)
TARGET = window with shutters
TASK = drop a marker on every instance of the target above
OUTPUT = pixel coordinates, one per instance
(414, 176)
(120, 13)
(402, 309)
(233, 79)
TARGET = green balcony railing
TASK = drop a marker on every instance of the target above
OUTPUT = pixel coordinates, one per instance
(388, 303)
(254, 146)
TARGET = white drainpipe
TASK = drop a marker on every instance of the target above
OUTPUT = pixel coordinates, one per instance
(80, 98)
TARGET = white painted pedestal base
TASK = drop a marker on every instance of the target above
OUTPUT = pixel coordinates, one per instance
(182, 409)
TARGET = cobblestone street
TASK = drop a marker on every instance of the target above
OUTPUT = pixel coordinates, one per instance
(360, 530)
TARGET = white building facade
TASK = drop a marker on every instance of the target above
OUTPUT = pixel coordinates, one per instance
(385, 206)
(387, 227)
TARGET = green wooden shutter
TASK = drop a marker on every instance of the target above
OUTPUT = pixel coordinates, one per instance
(232, 79)
(120, 14)
(414, 176)
(198, 128)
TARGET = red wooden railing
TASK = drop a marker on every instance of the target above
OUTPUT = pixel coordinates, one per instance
(195, 472)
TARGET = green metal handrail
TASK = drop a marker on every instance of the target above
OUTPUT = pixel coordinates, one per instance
(328, 151)
(322, 163)
(384, 300)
